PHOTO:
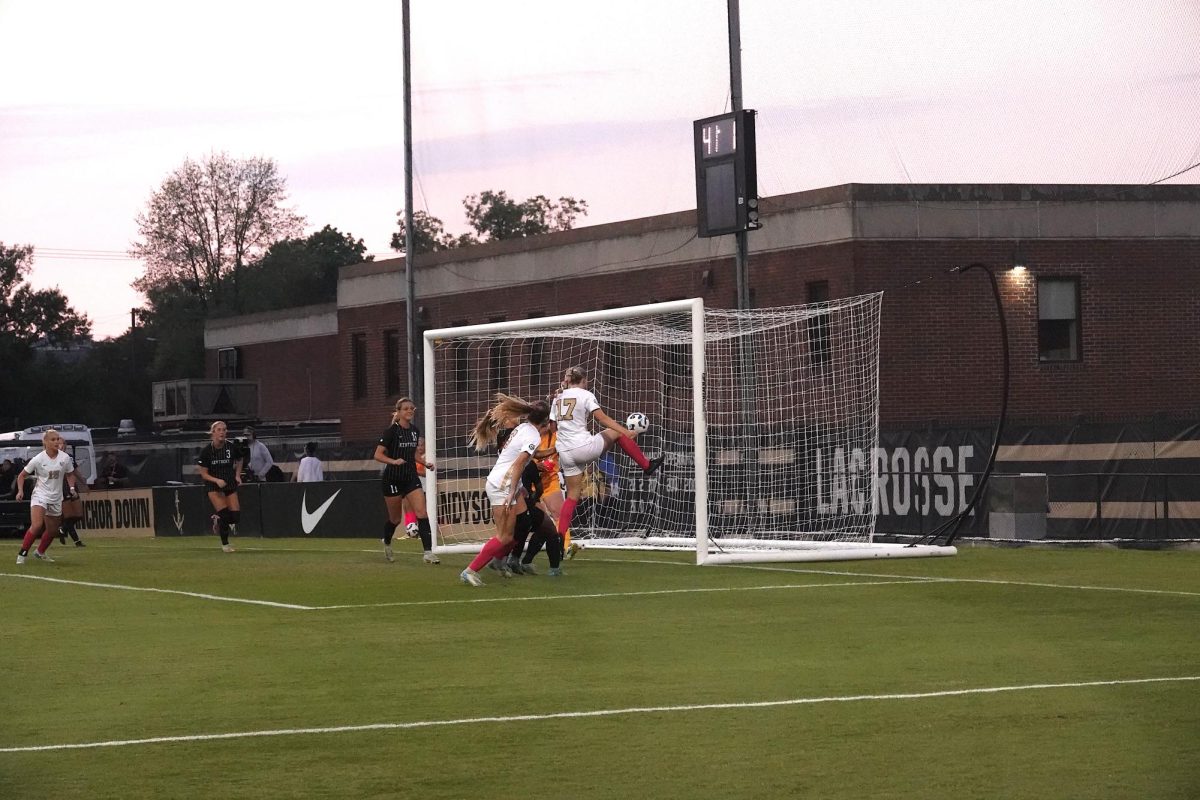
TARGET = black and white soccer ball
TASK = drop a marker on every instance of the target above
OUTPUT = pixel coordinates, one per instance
(637, 422)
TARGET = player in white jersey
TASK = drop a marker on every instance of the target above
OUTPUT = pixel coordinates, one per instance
(504, 481)
(49, 467)
(573, 409)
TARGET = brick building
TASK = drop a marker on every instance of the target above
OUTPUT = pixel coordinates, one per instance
(1104, 321)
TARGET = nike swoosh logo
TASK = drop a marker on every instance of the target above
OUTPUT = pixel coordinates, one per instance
(310, 521)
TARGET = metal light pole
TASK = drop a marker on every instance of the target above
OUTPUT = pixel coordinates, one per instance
(415, 389)
(735, 96)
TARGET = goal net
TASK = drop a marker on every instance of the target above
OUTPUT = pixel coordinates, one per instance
(767, 420)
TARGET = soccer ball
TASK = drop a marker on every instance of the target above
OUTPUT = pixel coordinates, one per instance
(637, 422)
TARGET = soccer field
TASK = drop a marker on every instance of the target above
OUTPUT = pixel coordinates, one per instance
(305, 668)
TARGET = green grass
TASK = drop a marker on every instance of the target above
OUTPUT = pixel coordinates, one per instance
(86, 664)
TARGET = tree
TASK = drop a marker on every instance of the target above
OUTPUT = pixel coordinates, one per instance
(207, 221)
(27, 316)
(429, 234)
(301, 272)
(494, 216)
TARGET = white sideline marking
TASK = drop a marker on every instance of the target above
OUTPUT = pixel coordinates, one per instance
(1080, 587)
(610, 712)
(927, 578)
(648, 592)
(201, 595)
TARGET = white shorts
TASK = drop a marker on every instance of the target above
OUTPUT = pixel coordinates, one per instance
(576, 460)
(53, 507)
(498, 495)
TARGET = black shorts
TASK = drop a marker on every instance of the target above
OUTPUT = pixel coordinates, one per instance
(230, 488)
(400, 487)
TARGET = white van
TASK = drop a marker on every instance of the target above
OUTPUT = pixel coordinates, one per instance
(77, 440)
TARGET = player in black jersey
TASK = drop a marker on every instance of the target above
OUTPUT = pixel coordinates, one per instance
(220, 464)
(401, 448)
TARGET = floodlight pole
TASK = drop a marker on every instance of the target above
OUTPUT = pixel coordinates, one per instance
(410, 294)
(735, 96)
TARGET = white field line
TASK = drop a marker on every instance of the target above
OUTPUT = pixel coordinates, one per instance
(609, 712)
(122, 587)
(602, 595)
(465, 601)
(926, 578)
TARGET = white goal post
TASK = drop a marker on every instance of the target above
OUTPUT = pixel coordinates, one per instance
(767, 420)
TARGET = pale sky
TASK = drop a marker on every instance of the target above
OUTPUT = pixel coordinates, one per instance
(99, 102)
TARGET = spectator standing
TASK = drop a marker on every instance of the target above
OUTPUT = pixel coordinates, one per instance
(310, 469)
(113, 474)
(260, 457)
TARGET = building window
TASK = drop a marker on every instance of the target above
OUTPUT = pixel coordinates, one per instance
(1058, 319)
(819, 349)
(462, 360)
(229, 364)
(358, 364)
(496, 376)
(612, 359)
(391, 357)
(537, 357)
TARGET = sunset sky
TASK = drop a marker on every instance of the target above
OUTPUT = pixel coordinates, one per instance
(99, 102)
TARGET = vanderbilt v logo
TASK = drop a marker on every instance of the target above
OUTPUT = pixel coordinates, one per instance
(310, 521)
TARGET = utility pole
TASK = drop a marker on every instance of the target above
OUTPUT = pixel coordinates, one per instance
(735, 96)
(415, 389)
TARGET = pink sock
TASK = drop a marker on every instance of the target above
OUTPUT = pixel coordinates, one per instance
(564, 516)
(409, 518)
(492, 548)
(28, 541)
(632, 450)
(44, 545)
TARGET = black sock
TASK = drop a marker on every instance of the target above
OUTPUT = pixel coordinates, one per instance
(425, 533)
(23, 553)
(389, 530)
(223, 527)
(537, 540)
(70, 529)
(554, 549)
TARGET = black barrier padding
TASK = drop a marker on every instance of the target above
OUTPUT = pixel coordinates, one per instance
(338, 509)
(275, 510)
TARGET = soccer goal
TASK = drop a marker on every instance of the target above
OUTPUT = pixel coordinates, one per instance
(767, 420)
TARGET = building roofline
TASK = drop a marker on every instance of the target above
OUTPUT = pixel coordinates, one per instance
(809, 198)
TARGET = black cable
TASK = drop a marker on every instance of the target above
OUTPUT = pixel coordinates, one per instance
(955, 523)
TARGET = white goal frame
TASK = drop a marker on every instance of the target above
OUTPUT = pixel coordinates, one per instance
(708, 551)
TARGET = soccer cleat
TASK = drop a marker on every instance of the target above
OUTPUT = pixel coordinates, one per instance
(514, 565)
(654, 464)
(387, 551)
(431, 558)
(468, 577)
(227, 548)
(214, 525)
(554, 572)
(499, 566)
(572, 549)
(80, 543)
(412, 530)
(528, 569)
(20, 560)
(43, 557)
